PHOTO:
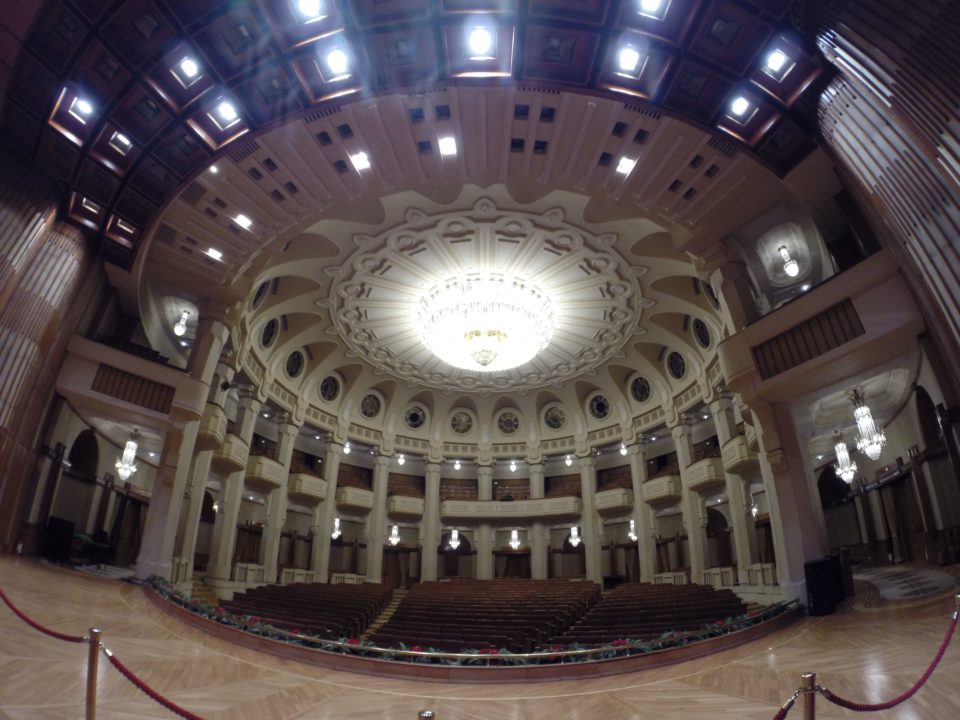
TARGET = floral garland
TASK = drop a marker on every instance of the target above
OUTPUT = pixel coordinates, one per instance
(550, 654)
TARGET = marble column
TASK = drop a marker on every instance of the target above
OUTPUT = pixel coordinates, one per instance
(220, 567)
(589, 522)
(377, 519)
(692, 504)
(327, 512)
(536, 481)
(643, 515)
(277, 511)
(430, 524)
(485, 482)
(738, 494)
(538, 530)
(483, 543)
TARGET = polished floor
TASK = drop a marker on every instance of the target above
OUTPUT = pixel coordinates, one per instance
(865, 654)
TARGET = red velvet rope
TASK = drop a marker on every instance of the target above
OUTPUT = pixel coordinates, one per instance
(37, 626)
(867, 707)
(149, 691)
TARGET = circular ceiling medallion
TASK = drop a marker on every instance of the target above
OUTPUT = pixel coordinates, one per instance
(593, 294)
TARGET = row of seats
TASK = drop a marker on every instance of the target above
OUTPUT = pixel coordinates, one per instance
(513, 614)
(320, 608)
(645, 611)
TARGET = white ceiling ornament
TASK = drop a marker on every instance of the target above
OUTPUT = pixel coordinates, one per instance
(592, 292)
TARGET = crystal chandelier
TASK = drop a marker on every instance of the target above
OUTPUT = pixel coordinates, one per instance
(790, 266)
(394, 538)
(845, 467)
(574, 536)
(870, 438)
(632, 533)
(181, 326)
(514, 539)
(336, 529)
(126, 465)
(485, 322)
(754, 510)
(454, 539)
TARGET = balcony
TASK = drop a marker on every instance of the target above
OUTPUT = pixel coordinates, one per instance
(737, 455)
(403, 506)
(355, 499)
(232, 455)
(264, 474)
(307, 489)
(706, 476)
(554, 508)
(663, 490)
(213, 428)
(613, 501)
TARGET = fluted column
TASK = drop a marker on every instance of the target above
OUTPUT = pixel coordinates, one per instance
(430, 524)
(225, 526)
(485, 482)
(536, 481)
(377, 519)
(643, 515)
(200, 473)
(277, 512)
(692, 504)
(326, 513)
(744, 534)
(166, 497)
(484, 547)
(589, 524)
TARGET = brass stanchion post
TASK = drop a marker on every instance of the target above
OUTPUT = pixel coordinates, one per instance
(808, 685)
(93, 659)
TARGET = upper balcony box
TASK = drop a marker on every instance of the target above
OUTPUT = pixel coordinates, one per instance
(663, 490)
(232, 455)
(264, 474)
(402, 506)
(354, 498)
(305, 488)
(555, 508)
(613, 501)
(737, 456)
(706, 476)
(213, 428)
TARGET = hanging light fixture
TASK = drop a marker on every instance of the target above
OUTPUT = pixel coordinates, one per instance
(181, 327)
(456, 465)
(753, 510)
(870, 438)
(454, 539)
(632, 533)
(336, 529)
(568, 461)
(790, 266)
(126, 465)
(394, 538)
(514, 539)
(346, 448)
(574, 536)
(623, 448)
(513, 466)
(401, 459)
(845, 467)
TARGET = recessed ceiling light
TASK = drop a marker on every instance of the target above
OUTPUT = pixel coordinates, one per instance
(655, 9)
(84, 106)
(338, 62)
(360, 161)
(776, 60)
(90, 206)
(226, 111)
(626, 165)
(480, 42)
(739, 106)
(120, 142)
(805, 287)
(309, 8)
(214, 253)
(214, 169)
(628, 59)
(81, 109)
(448, 145)
(188, 66)
(243, 221)
(152, 454)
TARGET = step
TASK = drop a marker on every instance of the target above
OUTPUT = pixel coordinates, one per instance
(395, 599)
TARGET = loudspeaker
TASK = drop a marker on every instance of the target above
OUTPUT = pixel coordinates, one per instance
(58, 540)
(824, 585)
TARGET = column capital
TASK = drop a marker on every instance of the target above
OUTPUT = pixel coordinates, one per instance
(721, 404)
(382, 461)
(288, 428)
(587, 461)
(636, 449)
(680, 431)
(433, 467)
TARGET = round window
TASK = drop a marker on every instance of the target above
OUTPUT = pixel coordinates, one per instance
(260, 294)
(508, 422)
(461, 423)
(370, 406)
(599, 407)
(414, 417)
(269, 333)
(295, 363)
(554, 418)
(640, 389)
(711, 295)
(329, 388)
(701, 332)
(676, 365)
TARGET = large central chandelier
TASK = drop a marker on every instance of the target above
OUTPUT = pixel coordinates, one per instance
(845, 467)
(870, 438)
(485, 322)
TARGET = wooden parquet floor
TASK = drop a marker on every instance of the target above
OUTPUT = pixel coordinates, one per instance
(868, 656)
